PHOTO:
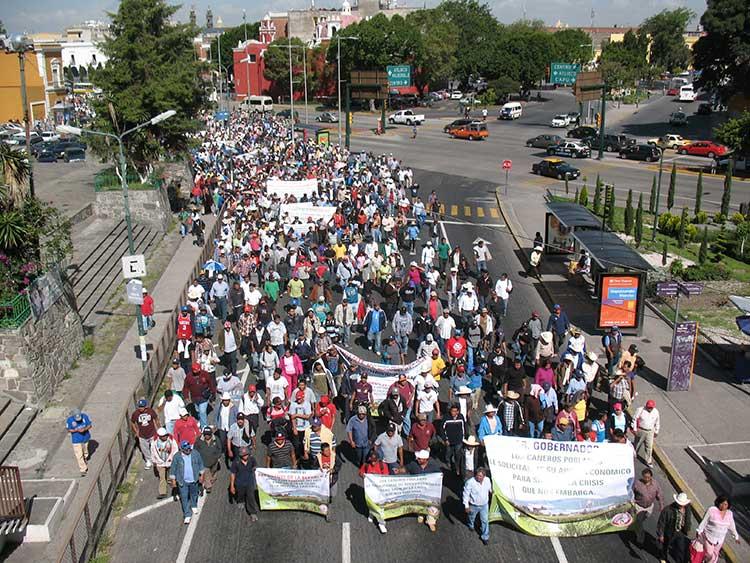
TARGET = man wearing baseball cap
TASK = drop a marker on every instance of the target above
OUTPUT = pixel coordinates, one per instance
(186, 473)
(210, 450)
(163, 450)
(143, 422)
(78, 425)
(300, 413)
(242, 482)
(646, 427)
(280, 453)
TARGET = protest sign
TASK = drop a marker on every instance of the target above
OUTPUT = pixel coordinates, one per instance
(391, 496)
(380, 376)
(296, 188)
(305, 211)
(293, 489)
(551, 488)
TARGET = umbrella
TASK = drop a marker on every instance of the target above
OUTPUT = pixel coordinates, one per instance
(743, 323)
(214, 266)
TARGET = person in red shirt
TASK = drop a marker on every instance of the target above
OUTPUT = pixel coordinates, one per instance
(186, 428)
(201, 388)
(147, 311)
(421, 434)
(325, 410)
(456, 348)
(375, 466)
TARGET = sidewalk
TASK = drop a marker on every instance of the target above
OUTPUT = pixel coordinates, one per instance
(110, 399)
(712, 412)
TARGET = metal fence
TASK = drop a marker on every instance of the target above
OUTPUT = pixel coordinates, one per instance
(81, 542)
(14, 313)
(12, 505)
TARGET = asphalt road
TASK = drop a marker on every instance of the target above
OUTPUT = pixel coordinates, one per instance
(222, 531)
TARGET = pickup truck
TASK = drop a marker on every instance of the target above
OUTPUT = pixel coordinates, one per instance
(406, 117)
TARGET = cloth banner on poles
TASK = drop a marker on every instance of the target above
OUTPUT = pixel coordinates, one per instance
(306, 211)
(380, 376)
(293, 489)
(391, 496)
(563, 489)
(296, 188)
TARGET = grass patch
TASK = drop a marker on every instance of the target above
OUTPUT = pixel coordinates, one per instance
(88, 348)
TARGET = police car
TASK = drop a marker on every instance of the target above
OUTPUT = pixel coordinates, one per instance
(572, 149)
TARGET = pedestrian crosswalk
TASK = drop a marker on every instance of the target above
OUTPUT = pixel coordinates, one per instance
(478, 211)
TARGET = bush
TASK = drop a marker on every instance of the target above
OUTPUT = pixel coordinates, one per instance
(737, 218)
(719, 218)
(701, 218)
(670, 225)
(87, 348)
(664, 220)
(707, 272)
(676, 268)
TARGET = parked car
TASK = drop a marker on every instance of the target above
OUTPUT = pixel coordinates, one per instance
(406, 117)
(669, 141)
(472, 131)
(544, 141)
(649, 153)
(287, 113)
(573, 116)
(739, 162)
(46, 155)
(74, 154)
(673, 91)
(435, 96)
(555, 168)
(43, 146)
(703, 148)
(612, 143)
(60, 148)
(569, 148)
(560, 120)
(327, 117)
(457, 95)
(704, 108)
(582, 131)
(456, 123)
(678, 118)
(50, 136)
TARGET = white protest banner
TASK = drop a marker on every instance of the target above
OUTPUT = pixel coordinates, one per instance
(551, 488)
(380, 376)
(296, 188)
(305, 211)
(293, 489)
(300, 229)
(390, 496)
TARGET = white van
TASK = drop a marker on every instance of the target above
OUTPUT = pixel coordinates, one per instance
(511, 110)
(258, 103)
(687, 93)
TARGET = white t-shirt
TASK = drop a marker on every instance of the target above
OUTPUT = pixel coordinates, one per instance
(503, 288)
(172, 408)
(427, 400)
(277, 387)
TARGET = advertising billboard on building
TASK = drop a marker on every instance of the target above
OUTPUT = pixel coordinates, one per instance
(620, 300)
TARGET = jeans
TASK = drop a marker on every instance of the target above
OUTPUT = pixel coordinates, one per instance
(169, 425)
(482, 265)
(409, 307)
(403, 342)
(202, 411)
(147, 321)
(360, 455)
(220, 310)
(406, 426)
(188, 498)
(392, 467)
(230, 361)
(484, 519)
(536, 429)
(469, 359)
(377, 339)
(346, 334)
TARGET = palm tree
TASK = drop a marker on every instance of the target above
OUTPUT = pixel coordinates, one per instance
(14, 173)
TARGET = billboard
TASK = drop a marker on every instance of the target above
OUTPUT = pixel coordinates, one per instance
(620, 300)
(564, 73)
(682, 359)
(565, 489)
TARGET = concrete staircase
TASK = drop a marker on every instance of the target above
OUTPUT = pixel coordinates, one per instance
(15, 418)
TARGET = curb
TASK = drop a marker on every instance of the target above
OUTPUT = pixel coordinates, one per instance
(661, 458)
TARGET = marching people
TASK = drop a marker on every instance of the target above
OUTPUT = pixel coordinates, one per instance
(186, 474)
(476, 498)
(163, 450)
(673, 527)
(78, 425)
(713, 528)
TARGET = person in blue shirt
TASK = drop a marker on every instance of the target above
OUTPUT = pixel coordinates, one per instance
(490, 424)
(375, 325)
(412, 234)
(558, 324)
(78, 425)
(186, 473)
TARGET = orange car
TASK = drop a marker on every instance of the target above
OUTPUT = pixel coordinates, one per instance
(472, 131)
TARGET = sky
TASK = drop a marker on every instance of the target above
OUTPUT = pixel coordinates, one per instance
(24, 16)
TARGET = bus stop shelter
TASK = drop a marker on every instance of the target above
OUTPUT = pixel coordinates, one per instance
(563, 219)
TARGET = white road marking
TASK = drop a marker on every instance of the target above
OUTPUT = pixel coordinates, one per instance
(188, 539)
(149, 508)
(346, 544)
(472, 224)
(558, 550)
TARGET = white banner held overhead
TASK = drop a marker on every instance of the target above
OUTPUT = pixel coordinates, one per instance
(296, 188)
(305, 211)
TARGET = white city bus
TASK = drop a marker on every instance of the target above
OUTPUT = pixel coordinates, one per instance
(687, 93)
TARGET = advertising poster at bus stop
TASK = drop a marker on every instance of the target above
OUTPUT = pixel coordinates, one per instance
(620, 300)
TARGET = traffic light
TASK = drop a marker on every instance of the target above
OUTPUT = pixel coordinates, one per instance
(351, 118)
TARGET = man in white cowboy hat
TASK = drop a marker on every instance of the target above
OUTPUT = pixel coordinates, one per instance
(219, 292)
(512, 415)
(490, 425)
(452, 287)
(590, 369)
(673, 527)
(421, 465)
(469, 457)
(535, 259)
(468, 303)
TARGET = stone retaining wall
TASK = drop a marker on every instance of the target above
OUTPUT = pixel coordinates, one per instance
(147, 207)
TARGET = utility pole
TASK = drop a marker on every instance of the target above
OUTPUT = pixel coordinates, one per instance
(600, 156)
(338, 79)
(247, 57)
(304, 75)
(658, 195)
(218, 59)
(348, 114)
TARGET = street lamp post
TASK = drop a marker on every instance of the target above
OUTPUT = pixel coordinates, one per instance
(338, 73)
(247, 63)
(218, 59)
(658, 195)
(21, 45)
(77, 131)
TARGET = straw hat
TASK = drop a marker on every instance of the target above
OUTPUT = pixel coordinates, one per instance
(512, 395)
(471, 441)
(681, 499)
(463, 390)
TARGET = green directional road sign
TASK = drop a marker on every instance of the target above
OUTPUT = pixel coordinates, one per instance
(400, 75)
(563, 73)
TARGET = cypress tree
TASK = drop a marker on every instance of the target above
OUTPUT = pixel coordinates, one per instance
(611, 209)
(725, 197)
(567, 188)
(703, 252)
(672, 187)
(682, 233)
(639, 221)
(576, 198)
(664, 252)
(652, 198)
(699, 193)
(629, 213)
(584, 197)
(598, 197)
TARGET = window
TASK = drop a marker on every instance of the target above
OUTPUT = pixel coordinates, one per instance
(253, 57)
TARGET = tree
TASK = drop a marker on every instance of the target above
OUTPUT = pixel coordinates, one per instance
(14, 173)
(598, 196)
(639, 221)
(628, 218)
(3, 31)
(652, 197)
(440, 40)
(699, 193)
(682, 232)
(667, 48)
(664, 252)
(722, 53)
(571, 46)
(735, 133)
(611, 208)
(583, 199)
(231, 38)
(152, 68)
(576, 198)
(672, 187)
(277, 63)
(727, 194)
(522, 52)
(703, 252)
(626, 61)
(503, 87)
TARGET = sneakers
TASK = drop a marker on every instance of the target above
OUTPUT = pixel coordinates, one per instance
(186, 520)
(486, 542)
(253, 518)
(194, 509)
(382, 528)
(420, 519)
(369, 519)
(148, 465)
